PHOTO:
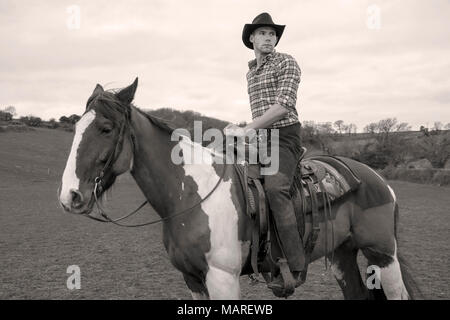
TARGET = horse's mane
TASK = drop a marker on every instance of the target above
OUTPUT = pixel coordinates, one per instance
(159, 122)
(109, 104)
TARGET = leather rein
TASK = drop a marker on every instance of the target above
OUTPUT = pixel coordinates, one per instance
(98, 187)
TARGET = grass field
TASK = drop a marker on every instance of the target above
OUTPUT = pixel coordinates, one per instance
(38, 241)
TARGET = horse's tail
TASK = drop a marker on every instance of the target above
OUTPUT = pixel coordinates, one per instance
(396, 217)
(410, 283)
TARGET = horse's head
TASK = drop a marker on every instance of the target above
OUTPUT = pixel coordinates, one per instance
(101, 150)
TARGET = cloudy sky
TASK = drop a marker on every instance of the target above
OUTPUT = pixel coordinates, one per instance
(188, 55)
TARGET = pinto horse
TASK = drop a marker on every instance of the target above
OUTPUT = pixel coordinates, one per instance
(210, 243)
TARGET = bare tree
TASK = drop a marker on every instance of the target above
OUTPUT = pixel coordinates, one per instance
(344, 128)
(339, 124)
(308, 129)
(371, 128)
(11, 110)
(447, 126)
(402, 126)
(437, 126)
(325, 128)
(352, 128)
(387, 125)
(349, 128)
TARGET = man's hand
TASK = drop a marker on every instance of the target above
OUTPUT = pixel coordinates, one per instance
(234, 130)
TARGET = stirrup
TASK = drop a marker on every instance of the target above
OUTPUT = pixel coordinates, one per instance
(277, 283)
(284, 286)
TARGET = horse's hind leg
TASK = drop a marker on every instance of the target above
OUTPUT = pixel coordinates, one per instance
(390, 273)
(346, 271)
(374, 232)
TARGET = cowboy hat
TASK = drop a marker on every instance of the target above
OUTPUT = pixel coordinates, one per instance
(262, 20)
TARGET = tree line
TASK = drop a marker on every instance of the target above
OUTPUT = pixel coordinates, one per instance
(388, 142)
(8, 113)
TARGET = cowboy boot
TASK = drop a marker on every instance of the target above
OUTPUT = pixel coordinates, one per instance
(292, 247)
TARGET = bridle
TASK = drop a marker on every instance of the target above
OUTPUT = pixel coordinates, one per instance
(112, 158)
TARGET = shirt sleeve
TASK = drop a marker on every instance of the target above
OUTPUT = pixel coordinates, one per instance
(288, 81)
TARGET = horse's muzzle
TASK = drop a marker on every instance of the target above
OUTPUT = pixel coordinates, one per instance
(76, 203)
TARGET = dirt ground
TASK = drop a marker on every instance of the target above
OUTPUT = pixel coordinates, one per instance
(38, 241)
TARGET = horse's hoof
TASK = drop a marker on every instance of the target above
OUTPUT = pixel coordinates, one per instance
(282, 293)
(279, 290)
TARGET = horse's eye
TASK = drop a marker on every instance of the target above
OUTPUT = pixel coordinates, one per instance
(106, 129)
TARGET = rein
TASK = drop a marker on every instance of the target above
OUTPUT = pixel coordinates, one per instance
(98, 188)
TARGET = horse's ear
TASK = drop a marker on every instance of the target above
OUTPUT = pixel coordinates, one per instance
(126, 95)
(97, 90)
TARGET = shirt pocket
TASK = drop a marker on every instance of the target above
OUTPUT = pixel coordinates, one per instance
(269, 80)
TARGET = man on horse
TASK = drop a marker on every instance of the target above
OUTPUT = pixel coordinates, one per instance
(273, 80)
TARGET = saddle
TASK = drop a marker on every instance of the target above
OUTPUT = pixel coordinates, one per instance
(318, 182)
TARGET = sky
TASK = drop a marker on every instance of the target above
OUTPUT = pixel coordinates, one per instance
(361, 61)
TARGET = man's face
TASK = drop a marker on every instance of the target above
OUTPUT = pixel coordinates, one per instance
(264, 39)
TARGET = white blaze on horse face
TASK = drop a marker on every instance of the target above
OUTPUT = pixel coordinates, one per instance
(224, 258)
(70, 179)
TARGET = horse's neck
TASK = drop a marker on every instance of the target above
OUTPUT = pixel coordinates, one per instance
(156, 175)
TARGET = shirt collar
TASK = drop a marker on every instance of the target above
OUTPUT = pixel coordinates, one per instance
(270, 56)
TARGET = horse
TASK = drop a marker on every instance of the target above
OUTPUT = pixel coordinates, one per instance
(210, 242)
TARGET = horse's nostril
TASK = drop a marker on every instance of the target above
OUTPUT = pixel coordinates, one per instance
(65, 207)
(77, 198)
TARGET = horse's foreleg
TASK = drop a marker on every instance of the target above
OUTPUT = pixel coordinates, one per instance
(199, 296)
(196, 286)
(346, 271)
(222, 284)
(219, 284)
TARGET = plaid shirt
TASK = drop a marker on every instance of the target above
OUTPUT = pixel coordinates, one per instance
(275, 81)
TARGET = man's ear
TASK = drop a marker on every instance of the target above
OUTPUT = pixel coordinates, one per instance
(126, 95)
(252, 38)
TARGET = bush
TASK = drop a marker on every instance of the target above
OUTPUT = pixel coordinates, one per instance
(74, 118)
(441, 177)
(390, 172)
(64, 119)
(427, 176)
(52, 124)
(435, 148)
(374, 155)
(5, 116)
(31, 121)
